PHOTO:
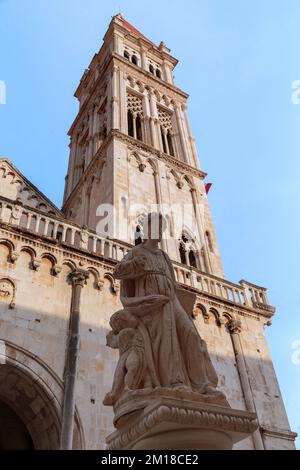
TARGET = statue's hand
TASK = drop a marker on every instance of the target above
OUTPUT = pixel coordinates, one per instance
(157, 298)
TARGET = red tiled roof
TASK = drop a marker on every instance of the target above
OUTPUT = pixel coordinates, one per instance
(133, 29)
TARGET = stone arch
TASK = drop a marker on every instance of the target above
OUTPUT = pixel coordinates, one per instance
(11, 175)
(9, 247)
(227, 317)
(188, 247)
(3, 169)
(54, 269)
(27, 259)
(153, 164)
(7, 291)
(70, 263)
(190, 182)
(17, 180)
(98, 282)
(114, 286)
(177, 177)
(30, 251)
(50, 257)
(216, 315)
(200, 309)
(35, 393)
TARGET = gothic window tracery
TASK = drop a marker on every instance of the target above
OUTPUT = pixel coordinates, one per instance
(187, 252)
(135, 116)
(165, 120)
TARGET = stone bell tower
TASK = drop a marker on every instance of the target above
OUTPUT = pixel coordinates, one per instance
(132, 148)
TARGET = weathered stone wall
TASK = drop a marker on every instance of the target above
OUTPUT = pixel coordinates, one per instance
(34, 318)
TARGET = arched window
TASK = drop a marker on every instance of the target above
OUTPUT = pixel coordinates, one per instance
(158, 73)
(187, 252)
(184, 238)
(137, 236)
(126, 55)
(170, 143)
(138, 123)
(163, 140)
(134, 60)
(151, 69)
(130, 123)
(182, 253)
(192, 259)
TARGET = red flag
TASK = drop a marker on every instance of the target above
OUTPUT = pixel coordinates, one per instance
(207, 187)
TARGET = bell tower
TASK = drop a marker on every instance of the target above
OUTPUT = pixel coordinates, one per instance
(132, 150)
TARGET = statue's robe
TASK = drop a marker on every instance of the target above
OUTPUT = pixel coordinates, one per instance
(175, 353)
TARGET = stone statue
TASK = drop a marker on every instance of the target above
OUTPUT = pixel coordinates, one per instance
(164, 393)
(157, 339)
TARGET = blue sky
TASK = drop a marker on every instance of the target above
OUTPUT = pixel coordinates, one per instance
(237, 62)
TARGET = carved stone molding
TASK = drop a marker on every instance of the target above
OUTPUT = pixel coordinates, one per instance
(183, 419)
(174, 162)
(79, 277)
(234, 326)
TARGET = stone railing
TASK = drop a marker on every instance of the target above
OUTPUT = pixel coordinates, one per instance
(244, 293)
(59, 229)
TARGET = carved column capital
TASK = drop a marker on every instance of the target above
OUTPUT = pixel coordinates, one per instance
(13, 256)
(234, 326)
(79, 277)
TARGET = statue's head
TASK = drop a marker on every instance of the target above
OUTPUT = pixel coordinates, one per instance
(122, 319)
(154, 226)
(112, 340)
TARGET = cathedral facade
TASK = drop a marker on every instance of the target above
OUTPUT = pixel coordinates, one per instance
(131, 152)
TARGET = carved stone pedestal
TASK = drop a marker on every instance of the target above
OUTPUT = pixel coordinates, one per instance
(164, 420)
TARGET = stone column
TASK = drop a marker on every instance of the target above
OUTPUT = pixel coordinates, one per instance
(134, 125)
(167, 71)
(73, 179)
(181, 133)
(78, 278)
(201, 230)
(115, 99)
(191, 138)
(159, 201)
(71, 168)
(154, 120)
(164, 137)
(235, 327)
(147, 115)
(123, 104)
(144, 59)
(94, 130)
(89, 151)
